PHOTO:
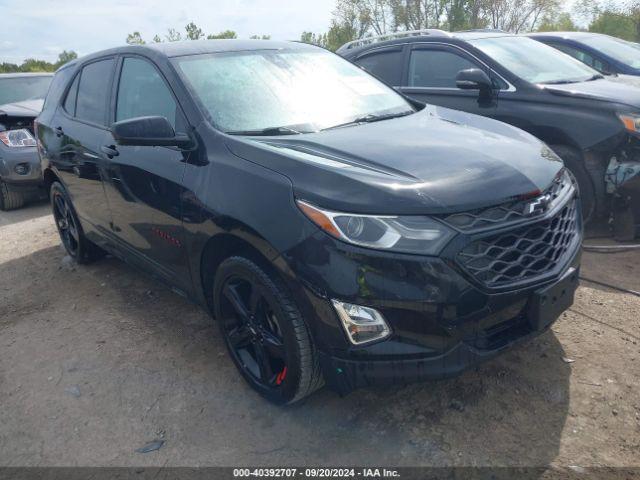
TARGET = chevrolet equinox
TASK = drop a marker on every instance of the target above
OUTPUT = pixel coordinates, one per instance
(338, 232)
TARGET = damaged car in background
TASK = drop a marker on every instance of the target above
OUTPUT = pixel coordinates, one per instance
(591, 122)
(21, 99)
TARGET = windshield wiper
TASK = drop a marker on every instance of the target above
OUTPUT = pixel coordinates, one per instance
(370, 119)
(270, 131)
(597, 76)
(564, 82)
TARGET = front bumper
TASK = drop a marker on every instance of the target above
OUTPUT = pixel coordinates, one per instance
(10, 158)
(442, 319)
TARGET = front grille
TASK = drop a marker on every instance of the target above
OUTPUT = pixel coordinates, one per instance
(510, 212)
(524, 253)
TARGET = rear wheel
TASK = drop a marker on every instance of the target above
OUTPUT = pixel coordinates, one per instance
(69, 228)
(264, 331)
(573, 161)
(10, 199)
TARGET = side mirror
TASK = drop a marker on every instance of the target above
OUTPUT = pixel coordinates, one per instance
(474, 79)
(148, 131)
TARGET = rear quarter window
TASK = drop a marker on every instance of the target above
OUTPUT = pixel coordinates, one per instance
(57, 87)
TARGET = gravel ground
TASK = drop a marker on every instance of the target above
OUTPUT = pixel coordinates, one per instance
(97, 361)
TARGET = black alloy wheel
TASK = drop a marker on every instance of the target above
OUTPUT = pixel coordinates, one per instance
(264, 332)
(66, 223)
(73, 239)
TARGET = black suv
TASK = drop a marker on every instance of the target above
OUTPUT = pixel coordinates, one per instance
(337, 231)
(592, 123)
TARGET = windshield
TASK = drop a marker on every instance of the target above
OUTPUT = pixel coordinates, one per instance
(19, 89)
(533, 61)
(617, 49)
(295, 91)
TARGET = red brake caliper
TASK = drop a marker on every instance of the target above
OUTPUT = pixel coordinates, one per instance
(281, 375)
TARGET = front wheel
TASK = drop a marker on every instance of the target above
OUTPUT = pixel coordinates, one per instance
(264, 331)
(73, 239)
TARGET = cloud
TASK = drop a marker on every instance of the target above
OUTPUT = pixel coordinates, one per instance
(87, 26)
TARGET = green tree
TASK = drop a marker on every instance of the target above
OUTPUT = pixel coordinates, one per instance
(193, 31)
(157, 39)
(135, 39)
(615, 24)
(65, 57)
(227, 34)
(260, 37)
(563, 23)
(173, 35)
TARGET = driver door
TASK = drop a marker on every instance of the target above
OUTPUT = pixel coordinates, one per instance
(431, 78)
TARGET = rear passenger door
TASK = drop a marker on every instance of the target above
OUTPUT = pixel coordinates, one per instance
(431, 72)
(81, 126)
(144, 183)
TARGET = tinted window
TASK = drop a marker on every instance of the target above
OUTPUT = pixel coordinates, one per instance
(70, 101)
(142, 92)
(22, 88)
(584, 57)
(58, 84)
(93, 92)
(387, 66)
(436, 68)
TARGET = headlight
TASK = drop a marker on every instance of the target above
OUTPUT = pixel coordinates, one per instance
(17, 138)
(407, 234)
(630, 121)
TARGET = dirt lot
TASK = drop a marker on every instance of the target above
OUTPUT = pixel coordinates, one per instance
(96, 361)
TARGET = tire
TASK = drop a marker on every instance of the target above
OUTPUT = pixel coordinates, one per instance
(73, 239)
(573, 161)
(10, 199)
(271, 318)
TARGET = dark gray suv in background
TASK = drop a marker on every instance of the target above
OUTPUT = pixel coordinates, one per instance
(592, 123)
(21, 99)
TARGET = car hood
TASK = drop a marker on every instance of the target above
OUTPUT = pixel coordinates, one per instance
(28, 108)
(435, 161)
(612, 89)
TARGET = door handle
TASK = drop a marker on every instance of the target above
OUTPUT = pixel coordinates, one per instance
(59, 132)
(110, 151)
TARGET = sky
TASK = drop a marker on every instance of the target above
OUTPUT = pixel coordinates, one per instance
(43, 28)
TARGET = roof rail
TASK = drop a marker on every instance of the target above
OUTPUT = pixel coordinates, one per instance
(483, 30)
(392, 36)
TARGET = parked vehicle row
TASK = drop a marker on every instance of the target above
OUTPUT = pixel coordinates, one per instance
(591, 122)
(21, 99)
(339, 231)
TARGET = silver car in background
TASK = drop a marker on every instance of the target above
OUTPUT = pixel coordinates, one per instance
(21, 99)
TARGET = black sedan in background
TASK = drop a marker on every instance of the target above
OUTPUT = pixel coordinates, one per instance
(337, 231)
(21, 99)
(592, 123)
(608, 55)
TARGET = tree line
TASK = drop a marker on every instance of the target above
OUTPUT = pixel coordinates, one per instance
(34, 65)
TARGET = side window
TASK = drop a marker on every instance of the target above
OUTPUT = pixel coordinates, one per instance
(56, 89)
(93, 91)
(387, 66)
(72, 94)
(584, 57)
(436, 68)
(142, 92)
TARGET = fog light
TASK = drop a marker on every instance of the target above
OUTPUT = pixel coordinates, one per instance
(22, 168)
(362, 324)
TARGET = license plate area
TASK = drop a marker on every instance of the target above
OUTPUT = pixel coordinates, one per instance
(548, 304)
